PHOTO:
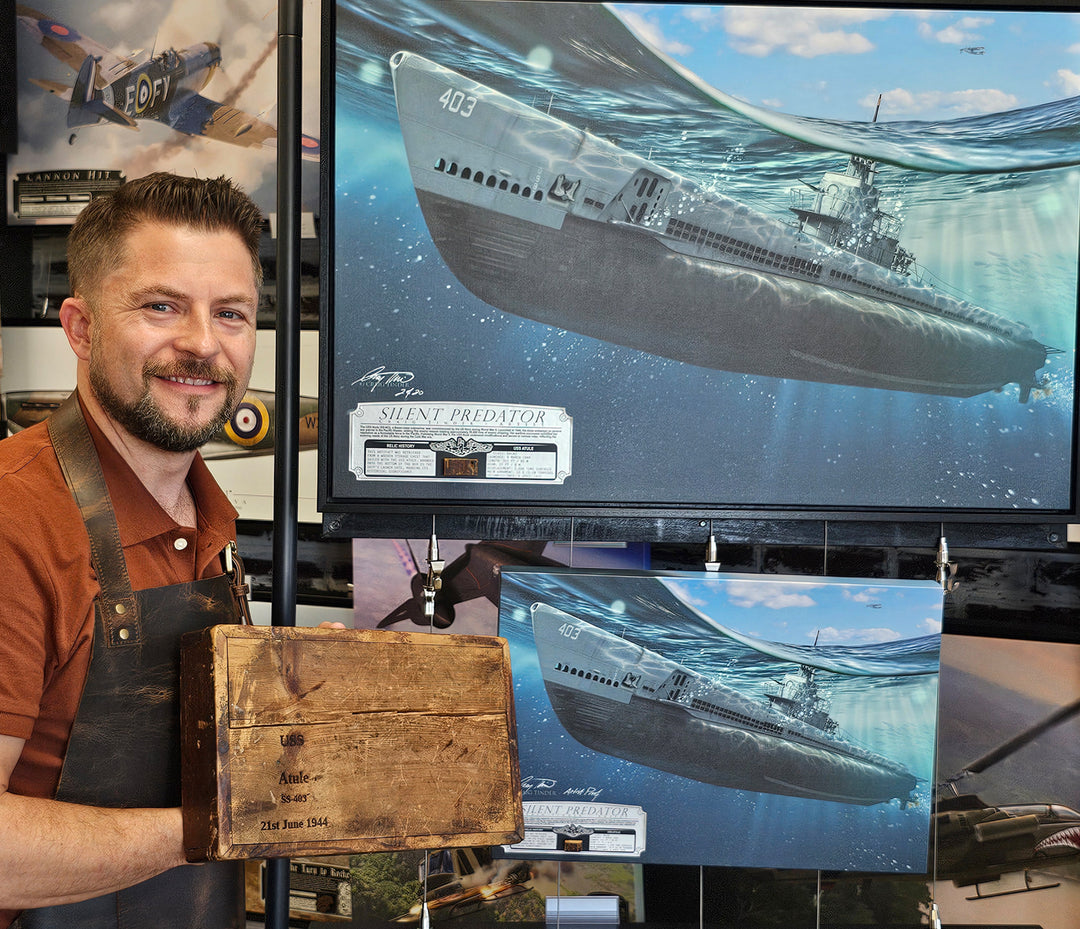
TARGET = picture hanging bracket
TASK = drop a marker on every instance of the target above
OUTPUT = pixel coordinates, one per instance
(712, 561)
(433, 581)
(946, 570)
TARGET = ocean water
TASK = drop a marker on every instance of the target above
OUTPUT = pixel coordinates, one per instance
(885, 700)
(990, 206)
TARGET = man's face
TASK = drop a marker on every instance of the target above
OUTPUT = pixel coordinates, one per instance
(173, 334)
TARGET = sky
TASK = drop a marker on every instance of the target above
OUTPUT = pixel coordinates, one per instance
(833, 63)
(797, 610)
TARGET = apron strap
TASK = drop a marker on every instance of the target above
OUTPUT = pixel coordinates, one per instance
(82, 472)
(118, 605)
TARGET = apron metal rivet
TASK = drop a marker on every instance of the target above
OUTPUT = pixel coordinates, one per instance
(120, 608)
(125, 634)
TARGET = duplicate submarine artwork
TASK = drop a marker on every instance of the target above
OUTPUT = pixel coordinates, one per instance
(667, 694)
(547, 221)
(634, 703)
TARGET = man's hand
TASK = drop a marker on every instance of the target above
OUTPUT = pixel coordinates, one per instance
(53, 852)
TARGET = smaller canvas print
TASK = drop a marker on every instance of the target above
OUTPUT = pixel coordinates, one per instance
(1008, 806)
(718, 719)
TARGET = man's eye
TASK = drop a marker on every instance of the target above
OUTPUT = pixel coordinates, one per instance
(160, 307)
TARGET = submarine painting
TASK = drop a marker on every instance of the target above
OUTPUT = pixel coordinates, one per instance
(632, 225)
(542, 219)
(720, 719)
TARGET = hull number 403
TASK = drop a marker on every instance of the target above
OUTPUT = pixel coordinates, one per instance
(457, 101)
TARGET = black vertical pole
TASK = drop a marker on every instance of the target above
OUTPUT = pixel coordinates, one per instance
(287, 393)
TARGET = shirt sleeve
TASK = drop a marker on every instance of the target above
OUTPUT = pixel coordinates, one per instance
(46, 608)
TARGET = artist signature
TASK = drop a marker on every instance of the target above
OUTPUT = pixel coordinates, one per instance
(395, 380)
(532, 784)
(587, 793)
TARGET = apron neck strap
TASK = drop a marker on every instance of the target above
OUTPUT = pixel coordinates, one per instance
(82, 472)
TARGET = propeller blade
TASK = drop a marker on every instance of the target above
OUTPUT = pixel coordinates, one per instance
(1028, 735)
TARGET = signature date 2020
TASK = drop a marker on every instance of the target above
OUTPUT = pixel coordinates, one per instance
(398, 381)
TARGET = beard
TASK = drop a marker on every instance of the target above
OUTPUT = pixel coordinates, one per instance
(145, 420)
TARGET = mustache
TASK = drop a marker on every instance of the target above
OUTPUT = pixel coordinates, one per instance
(190, 368)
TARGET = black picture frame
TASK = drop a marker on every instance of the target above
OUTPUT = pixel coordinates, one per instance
(632, 455)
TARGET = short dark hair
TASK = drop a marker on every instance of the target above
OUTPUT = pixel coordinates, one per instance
(96, 241)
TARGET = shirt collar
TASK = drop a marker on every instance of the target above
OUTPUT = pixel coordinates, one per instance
(139, 516)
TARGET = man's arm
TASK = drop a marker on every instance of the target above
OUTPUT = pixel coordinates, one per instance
(53, 852)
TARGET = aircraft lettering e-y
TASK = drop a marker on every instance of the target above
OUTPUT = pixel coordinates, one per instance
(120, 89)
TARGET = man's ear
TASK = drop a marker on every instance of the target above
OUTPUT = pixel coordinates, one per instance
(75, 318)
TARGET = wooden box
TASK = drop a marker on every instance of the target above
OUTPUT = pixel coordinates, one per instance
(334, 741)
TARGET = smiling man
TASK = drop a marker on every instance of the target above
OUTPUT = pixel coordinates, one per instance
(115, 541)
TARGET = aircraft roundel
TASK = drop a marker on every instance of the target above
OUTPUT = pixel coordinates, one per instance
(309, 144)
(57, 30)
(250, 423)
(144, 93)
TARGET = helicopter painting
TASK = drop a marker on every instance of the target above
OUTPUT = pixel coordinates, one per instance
(978, 843)
(122, 89)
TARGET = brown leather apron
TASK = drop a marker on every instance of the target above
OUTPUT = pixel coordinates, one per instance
(124, 749)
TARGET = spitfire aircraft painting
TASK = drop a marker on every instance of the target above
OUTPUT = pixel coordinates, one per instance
(188, 88)
(123, 89)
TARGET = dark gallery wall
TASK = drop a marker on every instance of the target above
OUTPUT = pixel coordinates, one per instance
(1015, 580)
(15, 244)
(9, 116)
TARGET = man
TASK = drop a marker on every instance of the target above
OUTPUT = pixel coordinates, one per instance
(164, 277)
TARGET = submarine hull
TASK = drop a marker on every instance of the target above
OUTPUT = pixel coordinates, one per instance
(613, 282)
(548, 222)
(622, 699)
(671, 740)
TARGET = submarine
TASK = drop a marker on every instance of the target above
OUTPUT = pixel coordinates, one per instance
(620, 698)
(549, 222)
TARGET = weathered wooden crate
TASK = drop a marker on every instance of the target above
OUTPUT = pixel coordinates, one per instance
(334, 741)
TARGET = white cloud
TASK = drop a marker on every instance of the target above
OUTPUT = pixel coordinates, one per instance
(1068, 82)
(963, 32)
(774, 596)
(930, 625)
(686, 594)
(760, 31)
(705, 16)
(830, 635)
(866, 595)
(650, 30)
(900, 103)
